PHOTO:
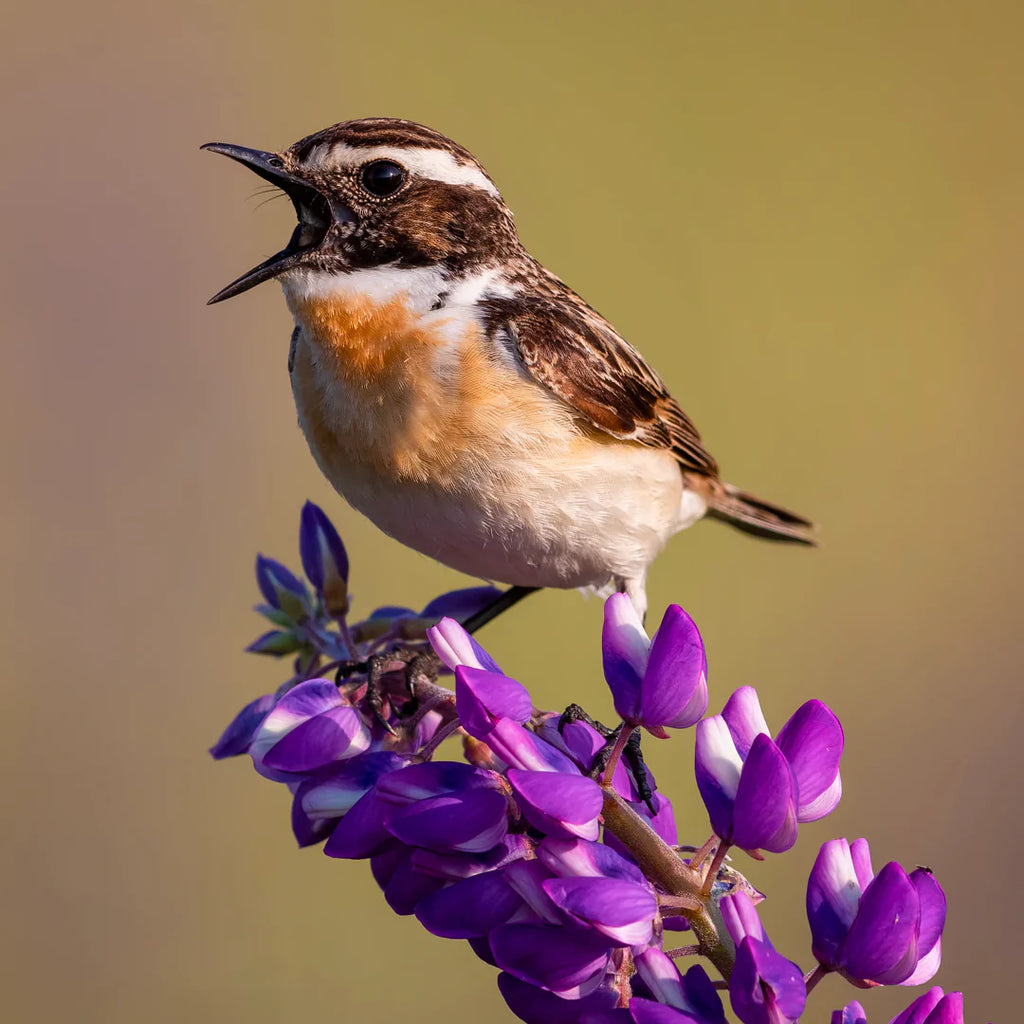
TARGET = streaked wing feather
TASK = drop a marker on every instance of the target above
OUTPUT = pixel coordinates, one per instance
(575, 353)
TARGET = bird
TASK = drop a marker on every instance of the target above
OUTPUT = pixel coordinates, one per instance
(457, 393)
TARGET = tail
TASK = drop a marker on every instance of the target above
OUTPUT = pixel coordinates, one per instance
(752, 515)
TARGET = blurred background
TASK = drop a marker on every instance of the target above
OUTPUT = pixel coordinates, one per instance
(807, 216)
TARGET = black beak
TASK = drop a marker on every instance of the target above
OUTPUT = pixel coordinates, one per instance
(313, 210)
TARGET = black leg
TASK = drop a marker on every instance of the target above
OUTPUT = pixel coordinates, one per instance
(500, 604)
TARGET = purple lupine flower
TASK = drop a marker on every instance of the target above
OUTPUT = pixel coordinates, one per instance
(329, 793)
(882, 929)
(282, 589)
(933, 1007)
(237, 737)
(654, 683)
(444, 806)
(757, 789)
(765, 987)
(471, 907)
(310, 726)
(324, 559)
(693, 993)
(851, 1013)
(454, 646)
(558, 803)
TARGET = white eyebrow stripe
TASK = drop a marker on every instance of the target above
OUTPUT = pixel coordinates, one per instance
(436, 164)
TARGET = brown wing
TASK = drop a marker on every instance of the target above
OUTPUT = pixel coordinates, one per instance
(574, 352)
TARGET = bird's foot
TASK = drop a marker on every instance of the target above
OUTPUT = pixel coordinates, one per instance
(632, 755)
(414, 667)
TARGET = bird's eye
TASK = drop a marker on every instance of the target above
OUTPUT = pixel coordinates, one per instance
(382, 178)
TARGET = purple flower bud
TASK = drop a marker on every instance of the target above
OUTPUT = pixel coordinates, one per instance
(755, 789)
(310, 726)
(765, 987)
(655, 683)
(281, 589)
(933, 1007)
(558, 803)
(540, 1006)
(693, 993)
(331, 792)
(444, 806)
(323, 558)
(851, 1013)
(454, 646)
(884, 929)
(624, 911)
(361, 833)
(237, 737)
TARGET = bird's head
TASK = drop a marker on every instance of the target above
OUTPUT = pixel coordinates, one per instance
(374, 192)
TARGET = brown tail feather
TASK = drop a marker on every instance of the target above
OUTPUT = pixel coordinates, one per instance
(752, 515)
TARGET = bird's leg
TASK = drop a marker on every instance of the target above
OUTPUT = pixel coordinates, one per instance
(631, 753)
(419, 663)
(500, 604)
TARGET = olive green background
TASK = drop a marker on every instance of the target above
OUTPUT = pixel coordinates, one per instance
(807, 215)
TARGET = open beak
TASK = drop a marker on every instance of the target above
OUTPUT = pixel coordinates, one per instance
(313, 210)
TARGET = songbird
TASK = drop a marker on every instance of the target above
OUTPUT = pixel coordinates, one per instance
(456, 392)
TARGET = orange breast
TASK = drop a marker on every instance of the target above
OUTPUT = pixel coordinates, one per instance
(409, 396)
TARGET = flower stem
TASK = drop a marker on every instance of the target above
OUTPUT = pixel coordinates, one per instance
(667, 870)
(681, 951)
(713, 868)
(813, 977)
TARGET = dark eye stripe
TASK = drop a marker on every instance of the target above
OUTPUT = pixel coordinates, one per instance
(382, 178)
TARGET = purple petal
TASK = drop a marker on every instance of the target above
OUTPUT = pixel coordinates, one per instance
(331, 736)
(238, 735)
(460, 604)
(558, 802)
(933, 909)
(927, 966)
(481, 698)
(309, 831)
(407, 887)
(743, 715)
(823, 805)
(569, 858)
(674, 691)
(324, 559)
(434, 778)
(833, 896)
(918, 1012)
(882, 943)
(550, 957)
(765, 812)
(624, 647)
(470, 908)
(740, 917)
(860, 855)
(812, 741)
(646, 1011)
(471, 821)
(765, 986)
(527, 878)
(538, 1006)
(695, 994)
(520, 748)
(624, 911)
(454, 646)
(851, 1013)
(718, 766)
(455, 865)
(334, 790)
(361, 832)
